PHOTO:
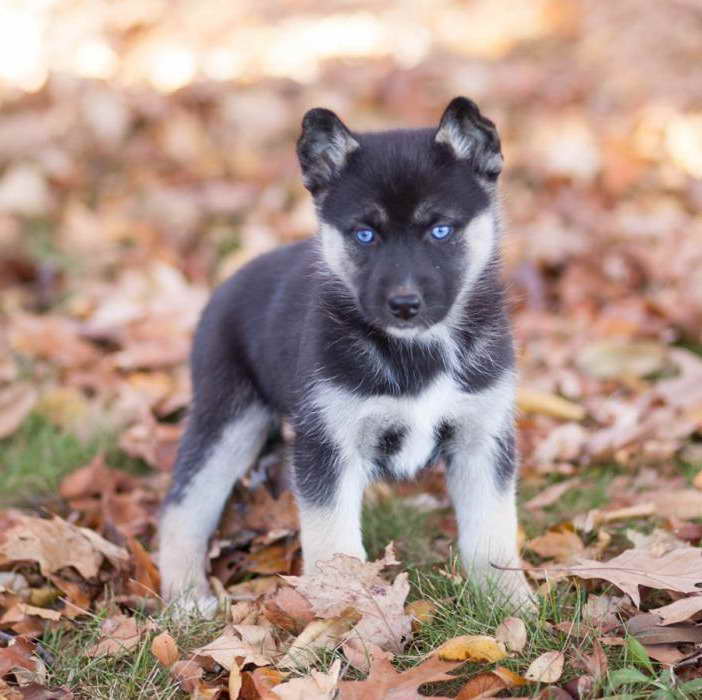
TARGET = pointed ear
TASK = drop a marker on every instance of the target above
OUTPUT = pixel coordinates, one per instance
(323, 148)
(471, 137)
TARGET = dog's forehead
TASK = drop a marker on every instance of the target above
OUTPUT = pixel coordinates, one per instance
(402, 177)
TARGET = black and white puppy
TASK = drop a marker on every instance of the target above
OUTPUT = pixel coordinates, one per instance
(385, 342)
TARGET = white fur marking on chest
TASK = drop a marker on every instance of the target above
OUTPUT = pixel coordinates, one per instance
(357, 423)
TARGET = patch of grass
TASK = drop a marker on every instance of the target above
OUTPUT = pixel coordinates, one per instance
(136, 675)
(589, 493)
(39, 455)
(36, 457)
(391, 520)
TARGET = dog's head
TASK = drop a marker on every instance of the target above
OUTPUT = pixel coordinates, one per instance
(407, 218)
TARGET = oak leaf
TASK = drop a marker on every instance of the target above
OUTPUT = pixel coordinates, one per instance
(385, 683)
(679, 570)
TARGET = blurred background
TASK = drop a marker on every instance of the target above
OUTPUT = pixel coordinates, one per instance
(147, 151)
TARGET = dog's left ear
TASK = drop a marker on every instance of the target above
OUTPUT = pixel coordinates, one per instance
(471, 137)
(323, 148)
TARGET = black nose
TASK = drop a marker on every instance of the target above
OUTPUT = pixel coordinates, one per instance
(404, 306)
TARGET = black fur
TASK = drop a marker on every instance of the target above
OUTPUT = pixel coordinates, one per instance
(285, 320)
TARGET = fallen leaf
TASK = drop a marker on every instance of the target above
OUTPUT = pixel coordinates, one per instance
(616, 358)
(385, 683)
(16, 402)
(472, 647)
(188, 674)
(532, 401)
(234, 682)
(119, 634)
(484, 685)
(546, 668)
(317, 686)
(345, 582)
(165, 649)
(561, 545)
(512, 633)
(421, 612)
(265, 679)
(319, 634)
(679, 570)
(56, 544)
(680, 610)
(551, 494)
(596, 664)
(648, 630)
(510, 678)
(252, 643)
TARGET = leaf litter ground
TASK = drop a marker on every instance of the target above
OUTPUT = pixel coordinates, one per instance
(112, 235)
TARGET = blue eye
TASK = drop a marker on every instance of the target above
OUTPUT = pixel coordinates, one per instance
(365, 235)
(442, 231)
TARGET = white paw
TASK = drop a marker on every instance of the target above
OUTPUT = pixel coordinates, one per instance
(188, 606)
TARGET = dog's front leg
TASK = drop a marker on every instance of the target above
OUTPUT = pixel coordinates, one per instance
(482, 483)
(329, 494)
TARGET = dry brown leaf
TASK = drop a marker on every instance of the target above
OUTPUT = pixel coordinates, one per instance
(188, 674)
(484, 685)
(385, 683)
(234, 682)
(16, 401)
(265, 679)
(679, 570)
(561, 545)
(251, 643)
(56, 544)
(679, 611)
(119, 634)
(513, 633)
(359, 654)
(596, 664)
(472, 647)
(319, 634)
(421, 612)
(648, 630)
(317, 686)
(510, 678)
(532, 401)
(165, 649)
(348, 582)
(551, 494)
(546, 668)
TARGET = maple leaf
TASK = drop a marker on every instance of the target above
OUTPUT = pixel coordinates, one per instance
(679, 570)
(345, 582)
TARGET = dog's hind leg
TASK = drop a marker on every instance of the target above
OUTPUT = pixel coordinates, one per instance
(226, 430)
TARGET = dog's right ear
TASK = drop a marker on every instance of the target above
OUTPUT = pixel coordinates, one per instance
(323, 148)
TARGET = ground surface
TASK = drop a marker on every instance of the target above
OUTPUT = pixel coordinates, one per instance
(123, 201)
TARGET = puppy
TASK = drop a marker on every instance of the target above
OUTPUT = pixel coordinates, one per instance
(385, 342)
